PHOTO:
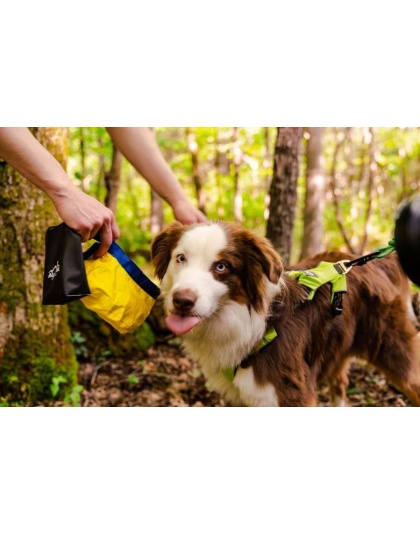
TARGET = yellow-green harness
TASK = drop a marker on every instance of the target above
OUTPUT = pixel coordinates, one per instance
(312, 279)
(335, 274)
(325, 273)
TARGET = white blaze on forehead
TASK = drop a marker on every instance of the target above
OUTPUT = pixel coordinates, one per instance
(202, 244)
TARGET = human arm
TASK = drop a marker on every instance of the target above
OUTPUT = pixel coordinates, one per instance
(139, 146)
(83, 213)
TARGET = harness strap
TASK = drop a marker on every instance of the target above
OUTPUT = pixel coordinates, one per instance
(335, 274)
(269, 336)
(325, 273)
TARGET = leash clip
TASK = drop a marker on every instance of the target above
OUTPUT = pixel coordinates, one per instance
(342, 268)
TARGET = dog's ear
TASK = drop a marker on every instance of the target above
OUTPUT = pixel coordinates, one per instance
(264, 253)
(256, 251)
(256, 259)
(162, 247)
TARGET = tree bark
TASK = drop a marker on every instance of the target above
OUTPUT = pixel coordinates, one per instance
(196, 173)
(237, 160)
(34, 339)
(102, 168)
(221, 166)
(156, 213)
(82, 157)
(314, 194)
(283, 190)
(113, 179)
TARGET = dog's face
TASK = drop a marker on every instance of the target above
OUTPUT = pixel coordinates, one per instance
(205, 266)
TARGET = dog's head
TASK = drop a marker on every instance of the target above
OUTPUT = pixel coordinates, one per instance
(204, 266)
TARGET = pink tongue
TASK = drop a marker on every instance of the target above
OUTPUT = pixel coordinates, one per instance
(179, 324)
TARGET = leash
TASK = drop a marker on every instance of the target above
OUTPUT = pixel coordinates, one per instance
(380, 252)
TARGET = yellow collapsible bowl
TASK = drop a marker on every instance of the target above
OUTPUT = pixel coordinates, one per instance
(120, 292)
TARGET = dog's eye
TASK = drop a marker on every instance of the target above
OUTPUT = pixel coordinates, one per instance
(180, 258)
(220, 267)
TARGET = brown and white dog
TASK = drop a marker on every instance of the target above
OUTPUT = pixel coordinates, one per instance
(223, 286)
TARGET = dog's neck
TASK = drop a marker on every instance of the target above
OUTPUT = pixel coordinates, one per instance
(226, 339)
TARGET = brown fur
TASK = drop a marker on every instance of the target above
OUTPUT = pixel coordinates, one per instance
(162, 247)
(312, 345)
(249, 258)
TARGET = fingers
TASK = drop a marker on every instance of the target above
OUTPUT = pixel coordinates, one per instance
(186, 213)
(108, 233)
(201, 217)
(94, 231)
(105, 237)
(193, 217)
(115, 230)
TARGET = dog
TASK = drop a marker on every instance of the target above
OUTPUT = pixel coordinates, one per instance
(224, 287)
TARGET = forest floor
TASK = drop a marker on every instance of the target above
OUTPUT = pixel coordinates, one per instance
(163, 376)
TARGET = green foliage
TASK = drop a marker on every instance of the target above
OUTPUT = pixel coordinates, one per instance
(73, 397)
(29, 369)
(144, 336)
(6, 403)
(95, 339)
(79, 344)
(397, 154)
(55, 386)
(133, 379)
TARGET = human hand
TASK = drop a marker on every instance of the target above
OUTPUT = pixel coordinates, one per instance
(88, 217)
(186, 213)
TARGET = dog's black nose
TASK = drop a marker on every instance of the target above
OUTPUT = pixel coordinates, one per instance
(184, 300)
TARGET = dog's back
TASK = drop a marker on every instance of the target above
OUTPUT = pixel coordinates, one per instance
(376, 324)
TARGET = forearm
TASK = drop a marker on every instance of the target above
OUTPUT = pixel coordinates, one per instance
(138, 145)
(80, 211)
(21, 150)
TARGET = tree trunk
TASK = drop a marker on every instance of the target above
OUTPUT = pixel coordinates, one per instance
(113, 179)
(283, 190)
(267, 171)
(237, 160)
(314, 195)
(102, 170)
(82, 157)
(196, 174)
(221, 166)
(156, 213)
(34, 339)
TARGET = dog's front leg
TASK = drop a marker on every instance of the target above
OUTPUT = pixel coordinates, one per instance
(253, 394)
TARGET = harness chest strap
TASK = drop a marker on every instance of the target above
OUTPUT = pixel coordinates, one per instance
(269, 336)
